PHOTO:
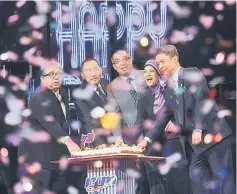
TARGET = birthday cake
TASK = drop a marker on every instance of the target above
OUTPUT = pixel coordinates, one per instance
(108, 150)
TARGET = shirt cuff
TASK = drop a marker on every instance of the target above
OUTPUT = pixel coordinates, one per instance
(148, 139)
(199, 130)
(63, 139)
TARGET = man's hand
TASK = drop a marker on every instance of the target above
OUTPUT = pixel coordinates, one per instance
(119, 141)
(196, 137)
(142, 144)
(71, 146)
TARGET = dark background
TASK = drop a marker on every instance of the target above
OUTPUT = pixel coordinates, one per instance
(197, 52)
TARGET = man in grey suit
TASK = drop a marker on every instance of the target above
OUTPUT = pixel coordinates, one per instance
(124, 91)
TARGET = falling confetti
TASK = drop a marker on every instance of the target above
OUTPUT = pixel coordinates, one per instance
(97, 112)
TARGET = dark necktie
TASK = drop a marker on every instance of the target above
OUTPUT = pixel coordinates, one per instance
(132, 90)
(101, 94)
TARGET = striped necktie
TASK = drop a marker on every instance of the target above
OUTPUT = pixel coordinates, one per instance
(132, 90)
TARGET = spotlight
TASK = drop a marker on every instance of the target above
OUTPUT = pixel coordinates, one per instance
(144, 41)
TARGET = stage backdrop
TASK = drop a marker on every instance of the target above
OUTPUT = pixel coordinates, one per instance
(82, 29)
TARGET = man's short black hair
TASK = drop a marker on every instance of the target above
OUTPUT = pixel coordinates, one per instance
(117, 52)
(87, 60)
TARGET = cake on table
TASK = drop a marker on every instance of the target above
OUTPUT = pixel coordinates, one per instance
(108, 150)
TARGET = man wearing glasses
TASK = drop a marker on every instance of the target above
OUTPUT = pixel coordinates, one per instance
(47, 121)
(124, 91)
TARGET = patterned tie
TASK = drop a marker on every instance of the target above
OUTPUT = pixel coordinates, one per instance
(132, 90)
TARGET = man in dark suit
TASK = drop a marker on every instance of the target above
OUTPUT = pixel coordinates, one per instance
(187, 94)
(91, 73)
(48, 118)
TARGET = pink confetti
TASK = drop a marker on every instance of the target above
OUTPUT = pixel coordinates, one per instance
(25, 40)
(219, 6)
(49, 118)
(12, 19)
(3, 73)
(66, 18)
(148, 124)
(208, 139)
(37, 21)
(111, 17)
(63, 163)
(206, 21)
(102, 132)
(120, 186)
(178, 11)
(33, 168)
(230, 2)
(37, 35)
(21, 159)
(40, 137)
(207, 71)
(157, 146)
(131, 131)
(42, 7)
(220, 57)
(48, 192)
(12, 56)
(20, 3)
(231, 59)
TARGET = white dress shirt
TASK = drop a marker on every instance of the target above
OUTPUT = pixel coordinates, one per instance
(59, 97)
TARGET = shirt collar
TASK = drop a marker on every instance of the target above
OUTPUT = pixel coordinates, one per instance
(132, 76)
(175, 76)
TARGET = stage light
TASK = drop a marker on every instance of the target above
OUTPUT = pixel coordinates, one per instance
(144, 41)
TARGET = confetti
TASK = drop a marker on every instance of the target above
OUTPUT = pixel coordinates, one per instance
(133, 173)
(14, 18)
(72, 190)
(208, 139)
(20, 3)
(178, 11)
(37, 21)
(37, 35)
(25, 40)
(4, 152)
(224, 113)
(98, 164)
(42, 7)
(206, 20)
(231, 59)
(84, 94)
(97, 112)
(217, 80)
(219, 6)
(207, 106)
(63, 163)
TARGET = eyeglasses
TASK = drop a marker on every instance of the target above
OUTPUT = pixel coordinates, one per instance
(53, 74)
(125, 59)
(89, 71)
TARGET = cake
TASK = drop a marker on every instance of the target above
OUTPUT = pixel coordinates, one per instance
(108, 150)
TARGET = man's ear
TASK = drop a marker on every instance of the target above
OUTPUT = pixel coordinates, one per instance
(175, 58)
(82, 75)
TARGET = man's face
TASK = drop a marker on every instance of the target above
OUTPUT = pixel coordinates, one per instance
(53, 77)
(91, 72)
(166, 64)
(122, 63)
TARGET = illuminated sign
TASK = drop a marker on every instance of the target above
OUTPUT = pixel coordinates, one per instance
(95, 185)
(78, 32)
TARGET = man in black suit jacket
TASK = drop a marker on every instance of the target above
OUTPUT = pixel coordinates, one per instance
(91, 73)
(49, 116)
(187, 94)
